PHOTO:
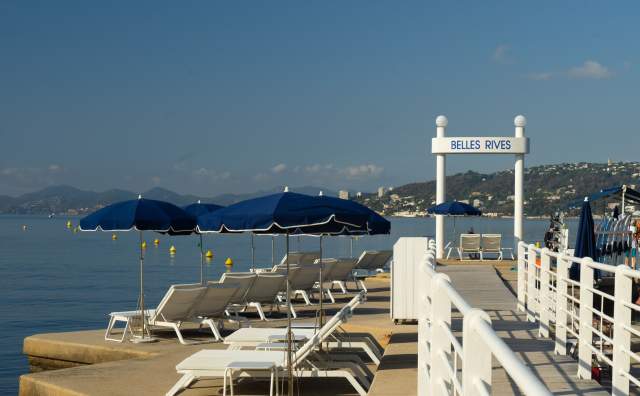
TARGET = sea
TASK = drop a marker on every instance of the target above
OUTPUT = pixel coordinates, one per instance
(55, 279)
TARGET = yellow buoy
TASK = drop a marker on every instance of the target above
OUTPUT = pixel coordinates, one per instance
(228, 262)
(69, 224)
(76, 229)
(114, 237)
(172, 250)
(209, 254)
(144, 244)
(156, 241)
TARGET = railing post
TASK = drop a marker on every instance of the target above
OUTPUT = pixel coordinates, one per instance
(585, 336)
(522, 277)
(562, 274)
(545, 299)
(440, 343)
(424, 313)
(532, 292)
(476, 362)
(621, 336)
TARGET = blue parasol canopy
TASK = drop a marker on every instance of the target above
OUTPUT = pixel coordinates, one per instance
(199, 208)
(375, 225)
(454, 208)
(284, 213)
(139, 214)
(585, 240)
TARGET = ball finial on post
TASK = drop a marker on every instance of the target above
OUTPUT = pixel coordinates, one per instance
(441, 121)
(520, 121)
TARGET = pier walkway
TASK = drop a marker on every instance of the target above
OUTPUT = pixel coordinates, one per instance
(481, 287)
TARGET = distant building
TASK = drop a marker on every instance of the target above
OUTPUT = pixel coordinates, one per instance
(343, 194)
(380, 192)
(477, 203)
(390, 188)
(359, 194)
(394, 197)
(465, 201)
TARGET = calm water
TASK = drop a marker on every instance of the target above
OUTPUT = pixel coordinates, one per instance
(53, 280)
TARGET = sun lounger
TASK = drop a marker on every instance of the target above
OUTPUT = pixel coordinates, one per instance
(369, 260)
(215, 363)
(295, 258)
(211, 306)
(265, 290)
(259, 288)
(302, 279)
(181, 304)
(301, 258)
(491, 244)
(469, 244)
(242, 281)
(340, 273)
(254, 336)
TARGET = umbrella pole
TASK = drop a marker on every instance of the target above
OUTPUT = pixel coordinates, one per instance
(201, 261)
(273, 251)
(253, 254)
(142, 317)
(321, 289)
(351, 246)
(289, 335)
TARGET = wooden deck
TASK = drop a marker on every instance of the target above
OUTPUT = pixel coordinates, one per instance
(481, 286)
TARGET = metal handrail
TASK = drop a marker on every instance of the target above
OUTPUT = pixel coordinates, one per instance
(480, 343)
(530, 286)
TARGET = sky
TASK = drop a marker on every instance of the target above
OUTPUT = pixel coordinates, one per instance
(216, 97)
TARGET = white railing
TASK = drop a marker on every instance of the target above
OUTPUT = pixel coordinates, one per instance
(602, 335)
(449, 366)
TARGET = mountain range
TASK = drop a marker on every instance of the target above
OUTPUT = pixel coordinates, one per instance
(547, 188)
(71, 200)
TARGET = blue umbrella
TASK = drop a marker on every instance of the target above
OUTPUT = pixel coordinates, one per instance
(199, 208)
(282, 213)
(585, 240)
(454, 208)
(141, 215)
(290, 213)
(195, 210)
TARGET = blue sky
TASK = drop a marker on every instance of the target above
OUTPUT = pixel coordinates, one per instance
(214, 97)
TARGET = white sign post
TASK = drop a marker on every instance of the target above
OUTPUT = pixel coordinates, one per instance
(517, 145)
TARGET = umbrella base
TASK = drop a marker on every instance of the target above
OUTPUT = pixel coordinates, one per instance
(143, 340)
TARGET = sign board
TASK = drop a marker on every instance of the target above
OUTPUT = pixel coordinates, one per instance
(480, 145)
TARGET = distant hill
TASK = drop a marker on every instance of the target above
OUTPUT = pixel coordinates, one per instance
(546, 188)
(71, 200)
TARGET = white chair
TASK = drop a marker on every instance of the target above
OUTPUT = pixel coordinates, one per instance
(254, 336)
(301, 258)
(469, 244)
(302, 278)
(215, 363)
(264, 290)
(211, 306)
(295, 258)
(341, 273)
(369, 260)
(492, 244)
(175, 308)
(243, 282)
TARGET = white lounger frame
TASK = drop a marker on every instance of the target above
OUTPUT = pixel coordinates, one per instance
(181, 304)
(212, 363)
